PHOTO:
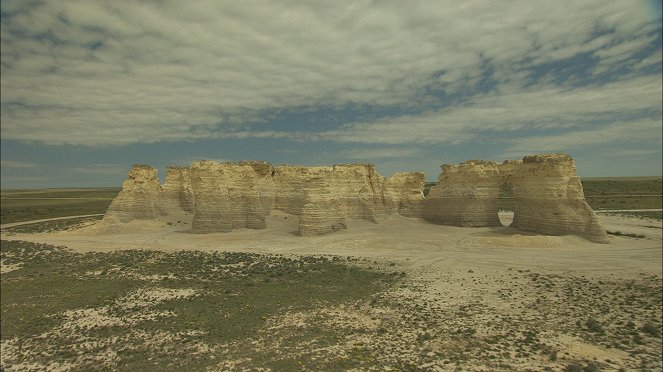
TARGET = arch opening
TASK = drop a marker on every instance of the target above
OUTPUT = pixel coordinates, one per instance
(506, 203)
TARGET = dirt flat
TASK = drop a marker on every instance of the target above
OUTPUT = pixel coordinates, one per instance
(416, 242)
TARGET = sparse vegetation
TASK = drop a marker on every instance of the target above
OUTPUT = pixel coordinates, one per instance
(58, 298)
(625, 193)
(27, 205)
(594, 326)
(52, 226)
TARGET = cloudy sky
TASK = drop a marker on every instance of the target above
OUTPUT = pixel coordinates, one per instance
(91, 87)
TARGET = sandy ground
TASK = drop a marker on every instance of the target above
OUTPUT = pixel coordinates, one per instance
(418, 243)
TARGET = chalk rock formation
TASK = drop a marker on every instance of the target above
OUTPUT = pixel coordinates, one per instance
(139, 197)
(176, 198)
(548, 194)
(403, 194)
(290, 183)
(219, 197)
(230, 195)
(358, 189)
(321, 214)
(466, 195)
(550, 199)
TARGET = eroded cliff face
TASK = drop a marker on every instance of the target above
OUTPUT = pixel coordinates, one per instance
(548, 195)
(321, 213)
(139, 197)
(176, 195)
(230, 195)
(550, 199)
(403, 194)
(219, 197)
(466, 195)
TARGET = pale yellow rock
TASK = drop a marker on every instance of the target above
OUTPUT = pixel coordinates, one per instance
(289, 184)
(321, 214)
(139, 197)
(176, 198)
(548, 196)
(550, 199)
(358, 188)
(403, 194)
(230, 195)
(219, 197)
(466, 195)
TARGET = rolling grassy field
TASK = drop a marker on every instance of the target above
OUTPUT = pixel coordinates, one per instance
(623, 193)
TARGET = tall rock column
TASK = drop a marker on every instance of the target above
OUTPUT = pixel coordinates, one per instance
(321, 213)
(211, 212)
(289, 183)
(550, 199)
(466, 195)
(139, 197)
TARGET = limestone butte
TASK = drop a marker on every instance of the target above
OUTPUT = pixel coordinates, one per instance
(139, 197)
(466, 195)
(548, 195)
(219, 197)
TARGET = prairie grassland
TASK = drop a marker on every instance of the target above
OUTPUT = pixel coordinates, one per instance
(142, 310)
(27, 205)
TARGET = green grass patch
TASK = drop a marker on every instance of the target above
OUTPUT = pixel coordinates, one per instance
(45, 302)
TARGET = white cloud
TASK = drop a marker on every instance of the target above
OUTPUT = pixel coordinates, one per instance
(540, 107)
(380, 153)
(173, 70)
(101, 169)
(637, 131)
(4, 163)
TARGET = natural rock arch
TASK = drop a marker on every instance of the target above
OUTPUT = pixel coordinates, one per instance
(548, 196)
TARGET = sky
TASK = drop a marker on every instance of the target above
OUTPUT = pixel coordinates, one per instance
(89, 88)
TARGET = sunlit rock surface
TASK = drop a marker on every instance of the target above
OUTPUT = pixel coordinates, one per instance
(548, 195)
(220, 197)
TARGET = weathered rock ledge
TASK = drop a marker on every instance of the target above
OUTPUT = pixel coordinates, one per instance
(219, 197)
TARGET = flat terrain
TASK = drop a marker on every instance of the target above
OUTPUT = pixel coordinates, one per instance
(27, 205)
(401, 294)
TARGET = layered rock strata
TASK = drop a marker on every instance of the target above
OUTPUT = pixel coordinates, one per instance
(321, 213)
(548, 196)
(176, 194)
(403, 194)
(466, 195)
(219, 197)
(139, 197)
(230, 195)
